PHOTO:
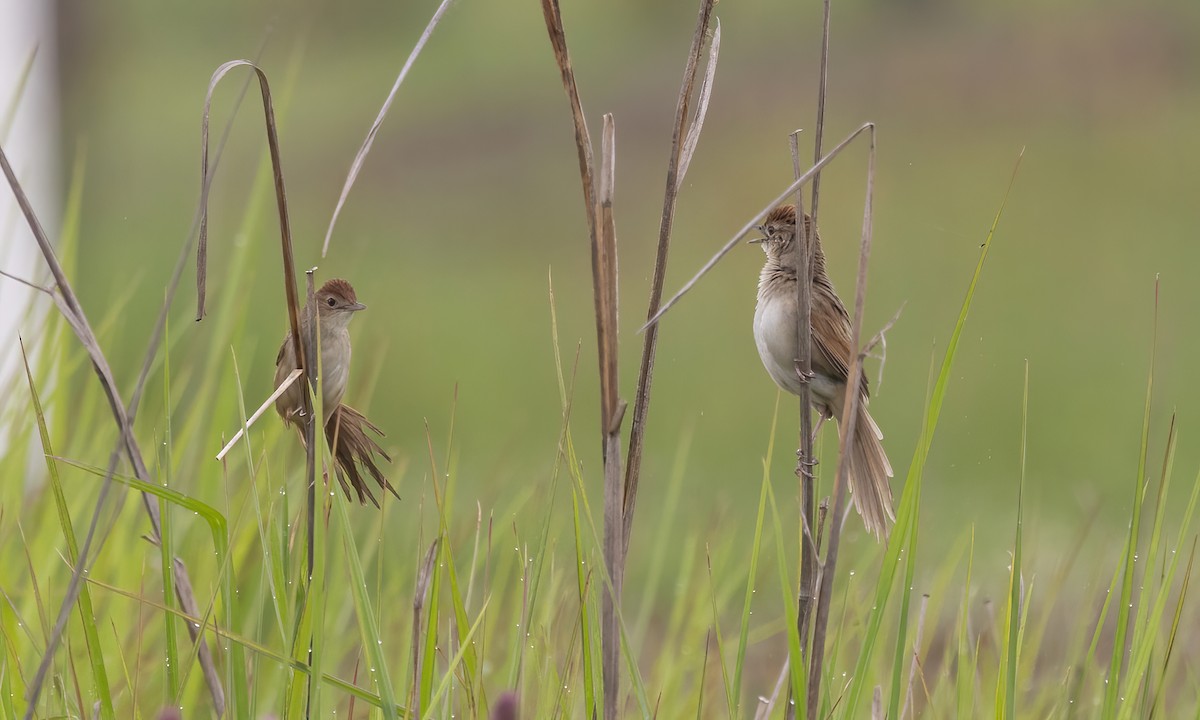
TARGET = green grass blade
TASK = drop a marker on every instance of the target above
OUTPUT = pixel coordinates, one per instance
(799, 688)
(1112, 691)
(87, 615)
(366, 615)
(589, 644)
(901, 654)
(1006, 689)
(965, 661)
(734, 692)
(429, 652)
(910, 499)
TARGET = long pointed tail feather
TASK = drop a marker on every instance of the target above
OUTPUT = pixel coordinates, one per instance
(354, 453)
(869, 473)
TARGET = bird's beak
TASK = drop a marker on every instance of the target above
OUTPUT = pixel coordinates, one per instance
(356, 307)
(756, 241)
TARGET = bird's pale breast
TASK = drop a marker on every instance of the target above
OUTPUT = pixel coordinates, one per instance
(775, 320)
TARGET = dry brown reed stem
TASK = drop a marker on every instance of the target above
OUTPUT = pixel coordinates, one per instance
(847, 424)
(612, 410)
(822, 93)
(604, 269)
(603, 250)
(68, 304)
(754, 222)
(620, 497)
(683, 145)
(285, 233)
(805, 458)
(361, 156)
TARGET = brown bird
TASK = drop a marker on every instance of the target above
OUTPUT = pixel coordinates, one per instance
(345, 428)
(775, 320)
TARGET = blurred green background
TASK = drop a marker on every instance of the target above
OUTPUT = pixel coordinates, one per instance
(471, 199)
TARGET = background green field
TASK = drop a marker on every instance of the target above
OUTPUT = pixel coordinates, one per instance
(471, 200)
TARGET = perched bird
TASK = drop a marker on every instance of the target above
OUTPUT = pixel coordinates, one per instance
(775, 323)
(345, 428)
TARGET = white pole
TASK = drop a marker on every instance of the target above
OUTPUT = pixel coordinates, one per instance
(30, 136)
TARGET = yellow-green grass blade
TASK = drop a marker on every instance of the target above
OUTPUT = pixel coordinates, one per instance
(465, 643)
(1006, 688)
(366, 615)
(1113, 681)
(586, 624)
(965, 660)
(716, 630)
(1156, 697)
(292, 664)
(1145, 639)
(429, 652)
(909, 502)
(638, 687)
(898, 659)
(795, 653)
(169, 497)
(733, 691)
(272, 560)
(87, 615)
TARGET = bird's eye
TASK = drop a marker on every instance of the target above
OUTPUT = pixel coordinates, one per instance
(331, 302)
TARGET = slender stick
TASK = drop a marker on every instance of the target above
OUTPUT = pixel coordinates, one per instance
(822, 92)
(848, 421)
(604, 278)
(283, 386)
(683, 143)
(755, 222)
(805, 458)
(361, 156)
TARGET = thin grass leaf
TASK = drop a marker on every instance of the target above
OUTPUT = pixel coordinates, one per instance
(734, 692)
(1147, 634)
(1112, 690)
(466, 642)
(367, 626)
(799, 699)
(587, 633)
(1006, 689)
(87, 615)
(361, 156)
(1173, 635)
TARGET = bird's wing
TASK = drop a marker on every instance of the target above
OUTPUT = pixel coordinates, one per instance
(831, 333)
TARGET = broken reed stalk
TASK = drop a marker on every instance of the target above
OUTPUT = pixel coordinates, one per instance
(847, 424)
(604, 273)
(620, 497)
(612, 410)
(683, 144)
